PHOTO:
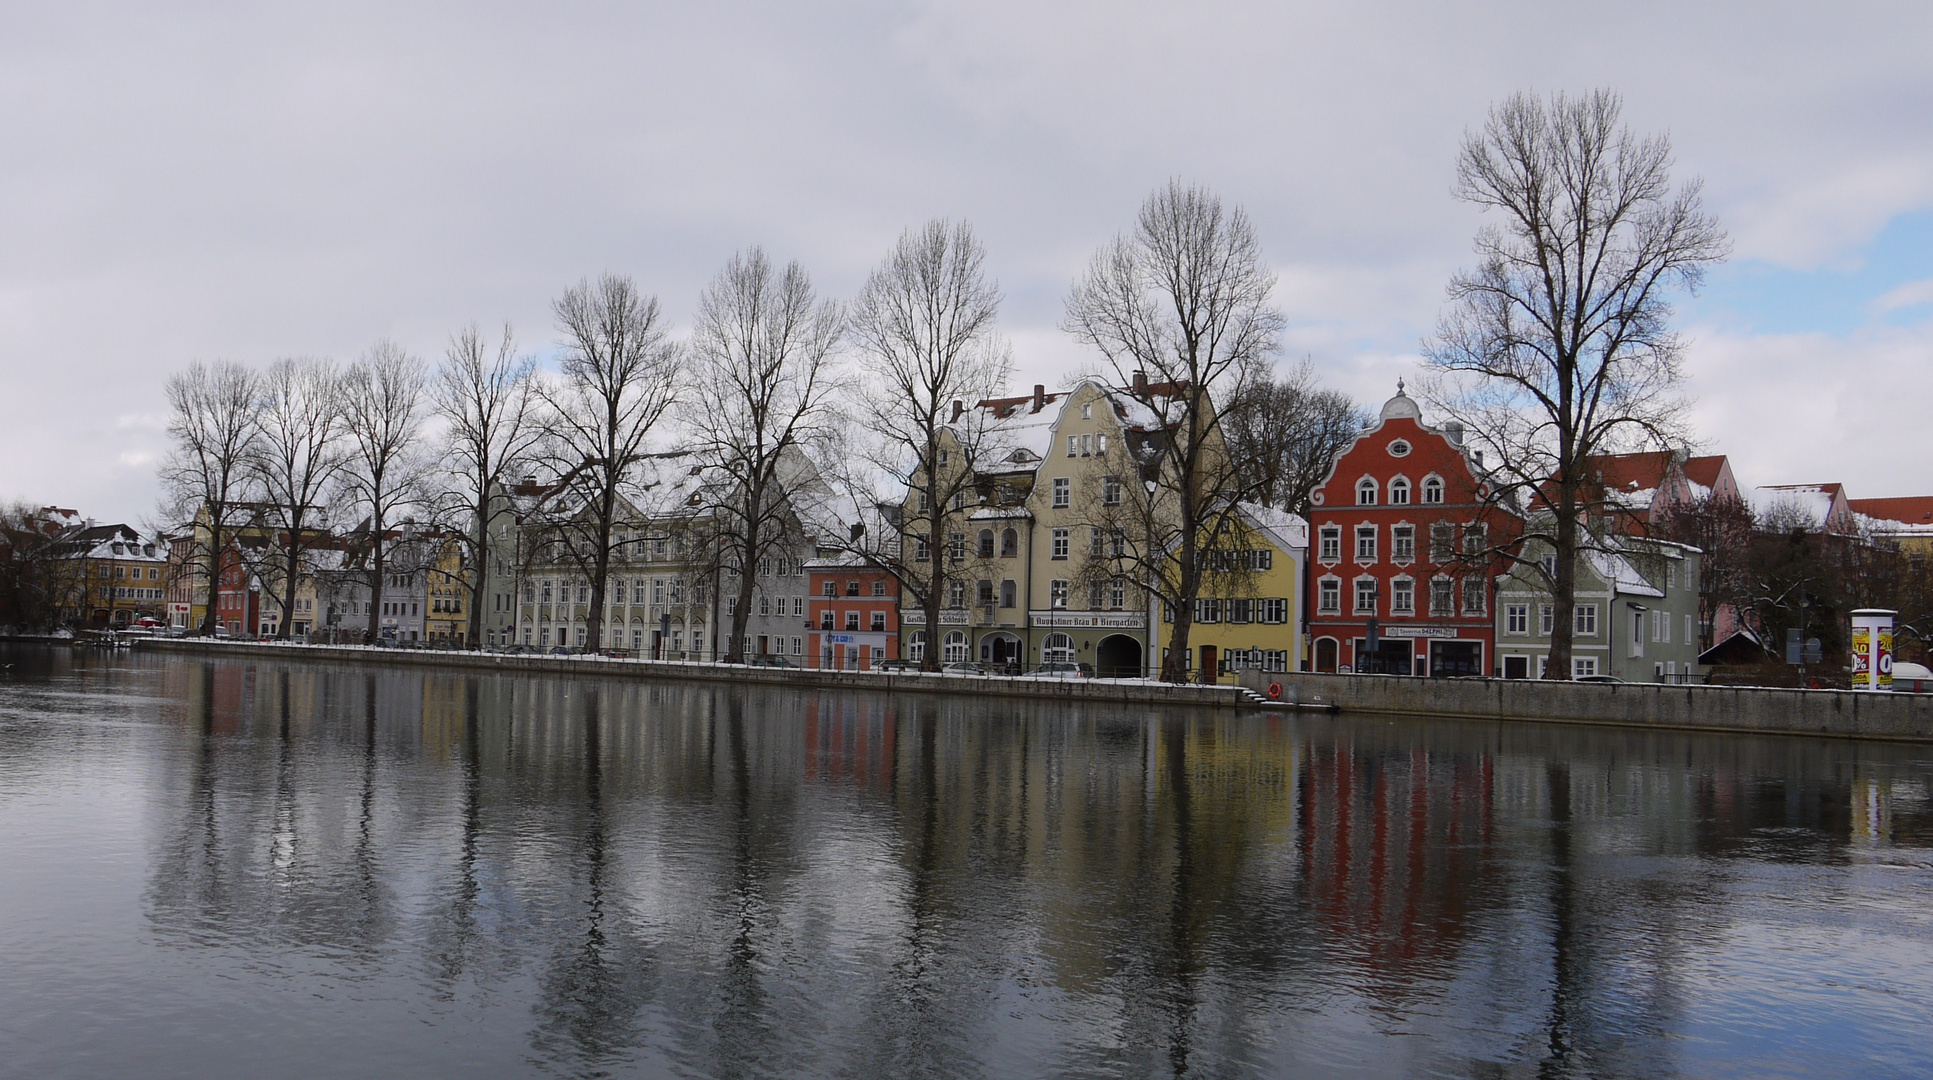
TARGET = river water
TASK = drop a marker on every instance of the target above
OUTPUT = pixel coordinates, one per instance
(240, 868)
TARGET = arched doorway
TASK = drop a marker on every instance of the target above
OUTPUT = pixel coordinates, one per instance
(1326, 654)
(1118, 656)
(1002, 649)
(954, 649)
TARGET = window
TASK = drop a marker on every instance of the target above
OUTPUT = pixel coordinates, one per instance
(956, 546)
(1100, 444)
(1117, 594)
(879, 620)
(925, 501)
(1063, 492)
(954, 649)
(1009, 544)
(1442, 597)
(1637, 633)
(1442, 536)
(1009, 593)
(825, 619)
(1475, 596)
(1057, 594)
(879, 588)
(1476, 539)
(1096, 595)
(1402, 543)
(798, 646)
(1366, 594)
(1118, 546)
(1057, 649)
(1330, 544)
(1546, 619)
(1087, 410)
(1516, 619)
(1110, 491)
(1399, 448)
(764, 607)
(984, 592)
(1691, 635)
(1073, 445)
(1240, 610)
(1329, 596)
(1060, 543)
(852, 620)
(1582, 666)
(1365, 492)
(915, 646)
(830, 589)
(1098, 538)
(1365, 543)
(1087, 446)
(1549, 565)
(956, 594)
(1402, 597)
(1208, 609)
(1399, 492)
(1432, 489)
(922, 551)
(986, 544)
(1584, 624)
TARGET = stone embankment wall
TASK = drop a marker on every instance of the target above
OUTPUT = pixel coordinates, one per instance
(1839, 713)
(1106, 691)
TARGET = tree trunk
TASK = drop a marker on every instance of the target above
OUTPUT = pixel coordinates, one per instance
(376, 562)
(481, 576)
(209, 616)
(1563, 591)
(292, 552)
(936, 579)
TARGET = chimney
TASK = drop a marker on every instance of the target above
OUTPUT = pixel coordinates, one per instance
(1141, 384)
(1454, 432)
(859, 527)
(1040, 397)
(958, 407)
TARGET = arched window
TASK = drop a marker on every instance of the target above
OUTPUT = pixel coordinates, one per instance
(1009, 594)
(986, 543)
(1365, 492)
(1009, 544)
(915, 646)
(1433, 489)
(1058, 648)
(1399, 492)
(954, 650)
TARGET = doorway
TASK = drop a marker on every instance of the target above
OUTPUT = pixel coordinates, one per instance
(1118, 656)
(1326, 655)
(1455, 659)
(1516, 667)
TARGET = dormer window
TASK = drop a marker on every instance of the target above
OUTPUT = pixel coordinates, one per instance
(1365, 492)
(1399, 492)
(1087, 410)
(1433, 490)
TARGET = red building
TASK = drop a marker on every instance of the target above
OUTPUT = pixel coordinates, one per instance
(1402, 532)
(238, 596)
(854, 616)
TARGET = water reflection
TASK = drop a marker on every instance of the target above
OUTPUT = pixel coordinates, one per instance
(601, 878)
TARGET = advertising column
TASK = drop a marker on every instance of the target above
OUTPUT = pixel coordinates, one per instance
(1872, 649)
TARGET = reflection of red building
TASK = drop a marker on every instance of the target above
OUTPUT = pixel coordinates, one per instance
(851, 740)
(854, 615)
(1394, 848)
(1402, 529)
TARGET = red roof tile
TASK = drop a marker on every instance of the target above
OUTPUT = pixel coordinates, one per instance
(1911, 510)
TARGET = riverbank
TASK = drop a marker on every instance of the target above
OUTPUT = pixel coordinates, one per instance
(1103, 691)
(1745, 710)
(1844, 714)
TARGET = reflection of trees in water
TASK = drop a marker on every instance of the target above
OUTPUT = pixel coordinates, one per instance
(733, 881)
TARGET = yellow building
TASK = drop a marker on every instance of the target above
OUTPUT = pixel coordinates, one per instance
(1249, 613)
(448, 615)
(109, 576)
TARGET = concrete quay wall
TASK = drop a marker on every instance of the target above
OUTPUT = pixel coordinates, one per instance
(1766, 711)
(1107, 691)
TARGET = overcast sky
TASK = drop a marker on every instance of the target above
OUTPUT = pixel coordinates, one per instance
(250, 181)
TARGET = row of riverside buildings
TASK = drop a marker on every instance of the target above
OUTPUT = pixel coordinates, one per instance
(1394, 571)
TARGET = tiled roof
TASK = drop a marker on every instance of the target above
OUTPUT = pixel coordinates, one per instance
(1911, 510)
(1704, 471)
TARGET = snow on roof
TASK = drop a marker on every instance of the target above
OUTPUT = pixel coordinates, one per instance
(1288, 531)
(1618, 573)
(1813, 501)
(1911, 514)
(1705, 471)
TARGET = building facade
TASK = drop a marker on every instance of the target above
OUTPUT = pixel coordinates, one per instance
(1403, 575)
(1250, 614)
(852, 615)
(1635, 616)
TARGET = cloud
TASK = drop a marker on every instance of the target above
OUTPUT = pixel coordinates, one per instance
(201, 181)
(1911, 295)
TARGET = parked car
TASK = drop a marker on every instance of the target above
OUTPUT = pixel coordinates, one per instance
(771, 660)
(964, 667)
(1062, 669)
(897, 664)
(1598, 679)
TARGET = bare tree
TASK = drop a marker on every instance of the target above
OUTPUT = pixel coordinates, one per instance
(297, 458)
(620, 376)
(925, 323)
(383, 415)
(1179, 310)
(484, 396)
(207, 479)
(1722, 528)
(1558, 346)
(761, 392)
(1285, 432)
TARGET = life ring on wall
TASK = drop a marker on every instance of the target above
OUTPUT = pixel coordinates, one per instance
(1275, 689)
